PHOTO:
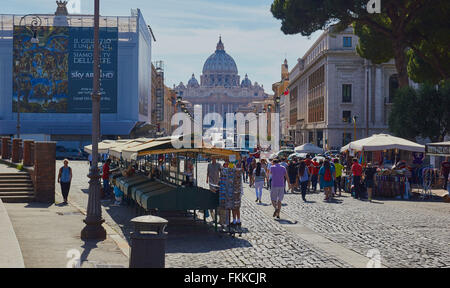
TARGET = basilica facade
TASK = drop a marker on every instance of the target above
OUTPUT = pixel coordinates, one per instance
(220, 89)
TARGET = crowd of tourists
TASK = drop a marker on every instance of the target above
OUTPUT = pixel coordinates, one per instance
(304, 176)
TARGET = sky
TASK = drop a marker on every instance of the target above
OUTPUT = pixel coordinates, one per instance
(187, 32)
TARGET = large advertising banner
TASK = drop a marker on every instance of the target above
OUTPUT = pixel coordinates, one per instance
(80, 69)
(55, 75)
(40, 70)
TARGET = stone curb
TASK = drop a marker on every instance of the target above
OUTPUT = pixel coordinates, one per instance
(10, 252)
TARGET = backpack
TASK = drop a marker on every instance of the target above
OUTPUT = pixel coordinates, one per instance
(327, 175)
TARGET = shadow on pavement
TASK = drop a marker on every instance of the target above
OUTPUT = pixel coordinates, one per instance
(185, 235)
(37, 205)
(286, 222)
(310, 202)
(87, 248)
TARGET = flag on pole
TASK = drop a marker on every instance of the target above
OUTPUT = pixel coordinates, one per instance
(286, 92)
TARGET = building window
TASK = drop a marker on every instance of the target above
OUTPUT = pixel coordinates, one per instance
(346, 116)
(346, 93)
(311, 137)
(347, 42)
(346, 138)
(393, 87)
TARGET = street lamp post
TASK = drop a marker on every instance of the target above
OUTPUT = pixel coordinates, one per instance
(35, 23)
(354, 127)
(277, 109)
(94, 220)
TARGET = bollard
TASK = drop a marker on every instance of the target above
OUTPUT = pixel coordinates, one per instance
(148, 242)
(27, 149)
(5, 148)
(15, 155)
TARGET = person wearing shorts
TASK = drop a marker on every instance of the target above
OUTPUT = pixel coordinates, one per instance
(279, 176)
(369, 175)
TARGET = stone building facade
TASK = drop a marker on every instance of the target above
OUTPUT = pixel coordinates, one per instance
(220, 89)
(331, 86)
(279, 89)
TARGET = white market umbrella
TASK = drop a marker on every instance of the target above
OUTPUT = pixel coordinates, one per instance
(103, 146)
(379, 142)
(116, 151)
(309, 148)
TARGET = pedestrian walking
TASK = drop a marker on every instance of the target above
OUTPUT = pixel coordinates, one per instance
(314, 170)
(327, 175)
(339, 168)
(279, 176)
(65, 178)
(293, 174)
(303, 177)
(259, 175)
(244, 169)
(105, 177)
(264, 167)
(269, 180)
(369, 179)
(252, 167)
(357, 173)
(213, 172)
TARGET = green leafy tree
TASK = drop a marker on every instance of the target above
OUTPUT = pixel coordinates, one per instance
(423, 112)
(402, 118)
(401, 25)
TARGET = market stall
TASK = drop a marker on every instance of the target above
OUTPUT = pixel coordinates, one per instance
(166, 179)
(438, 149)
(397, 160)
(105, 145)
(309, 148)
(116, 150)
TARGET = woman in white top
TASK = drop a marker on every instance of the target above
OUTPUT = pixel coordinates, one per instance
(259, 176)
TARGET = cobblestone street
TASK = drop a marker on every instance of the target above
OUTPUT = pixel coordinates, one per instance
(407, 233)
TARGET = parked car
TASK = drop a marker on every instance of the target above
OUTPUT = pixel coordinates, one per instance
(284, 153)
(332, 153)
(70, 153)
(297, 155)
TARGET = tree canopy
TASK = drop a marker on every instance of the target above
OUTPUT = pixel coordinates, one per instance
(423, 112)
(413, 32)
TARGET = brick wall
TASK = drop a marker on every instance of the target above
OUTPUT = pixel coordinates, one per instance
(44, 171)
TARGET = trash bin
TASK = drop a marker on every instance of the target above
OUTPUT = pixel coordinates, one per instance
(148, 242)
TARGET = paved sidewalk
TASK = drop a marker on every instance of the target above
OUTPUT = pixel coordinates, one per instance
(49, 237)
(10, 253)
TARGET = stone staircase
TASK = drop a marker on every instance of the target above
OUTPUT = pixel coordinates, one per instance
(16, 188)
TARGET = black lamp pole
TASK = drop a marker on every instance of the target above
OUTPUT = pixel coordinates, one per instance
(35, 23)
(94, 220)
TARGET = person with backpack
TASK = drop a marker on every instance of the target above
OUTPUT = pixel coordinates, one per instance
(303, 177)
(65, 178)
(259, 175)
(327, 174)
